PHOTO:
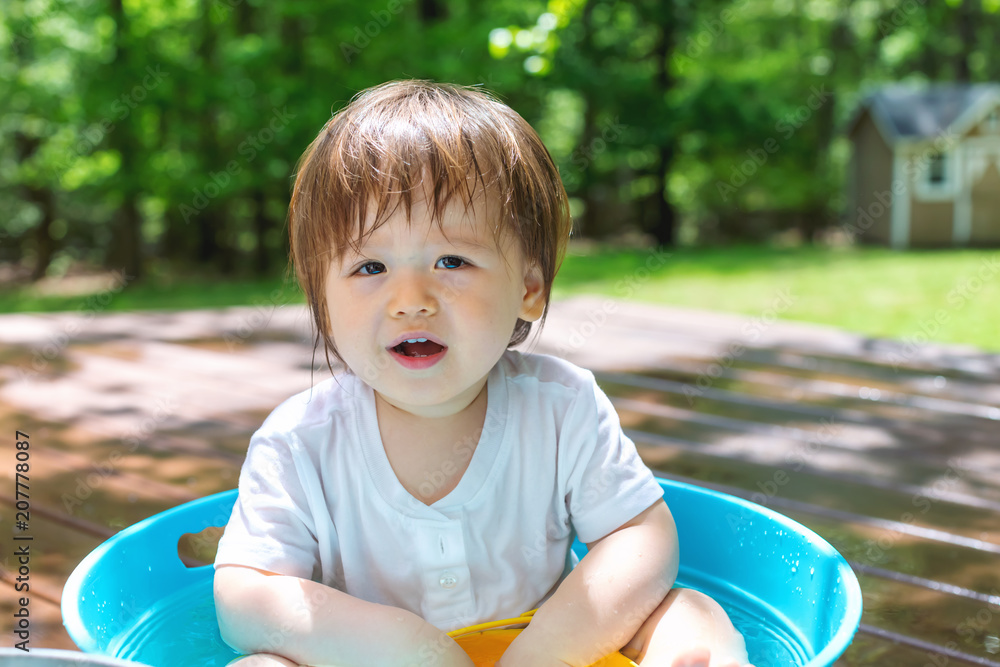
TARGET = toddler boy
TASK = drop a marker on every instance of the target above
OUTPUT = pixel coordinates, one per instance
(439, 481)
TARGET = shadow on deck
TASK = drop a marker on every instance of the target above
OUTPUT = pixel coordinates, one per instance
(888, 451)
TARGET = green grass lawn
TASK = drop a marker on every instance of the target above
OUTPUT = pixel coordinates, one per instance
(952, 295)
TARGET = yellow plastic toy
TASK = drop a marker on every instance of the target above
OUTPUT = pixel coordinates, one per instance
(486, 642)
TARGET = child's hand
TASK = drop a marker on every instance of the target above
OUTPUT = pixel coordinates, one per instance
(531, 661)
(337, 627)
(455, 659)
(700, 658)
(520, 654)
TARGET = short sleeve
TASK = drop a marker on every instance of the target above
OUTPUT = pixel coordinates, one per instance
(607, 483)
(272, 526)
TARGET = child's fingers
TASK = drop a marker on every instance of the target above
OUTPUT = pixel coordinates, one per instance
(261, 660)
(698, 657)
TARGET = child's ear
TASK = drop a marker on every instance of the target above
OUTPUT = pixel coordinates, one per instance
(533, 301)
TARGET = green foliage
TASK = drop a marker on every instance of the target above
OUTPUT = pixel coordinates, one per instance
(133, 132)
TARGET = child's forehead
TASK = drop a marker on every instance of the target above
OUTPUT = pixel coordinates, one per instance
(460, 222)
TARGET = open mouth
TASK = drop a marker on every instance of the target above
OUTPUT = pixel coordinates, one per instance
(425, 348)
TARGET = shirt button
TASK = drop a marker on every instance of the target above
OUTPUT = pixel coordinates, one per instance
(448, 580)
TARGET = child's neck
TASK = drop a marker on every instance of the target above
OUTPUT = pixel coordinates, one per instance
(439, 416)
(421, 449)
(466, 421)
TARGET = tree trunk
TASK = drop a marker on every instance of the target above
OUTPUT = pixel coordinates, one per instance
(580, 162)
(432, 10)
(43, 198)
(130, 226)
(25, 147)
(126, 250)
(262, 224)
(841, 44)
(665, 223)
(211, 219)
(966, 24)
(44, 245)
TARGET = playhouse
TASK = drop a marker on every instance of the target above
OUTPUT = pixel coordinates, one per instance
(925, 168)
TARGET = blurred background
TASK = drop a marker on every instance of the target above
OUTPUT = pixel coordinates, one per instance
(739, 171)
(158, 139)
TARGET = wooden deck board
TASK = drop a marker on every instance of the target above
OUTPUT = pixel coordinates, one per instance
(156, 392)
(757, 479)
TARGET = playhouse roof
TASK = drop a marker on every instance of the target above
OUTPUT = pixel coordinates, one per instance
(906, 112)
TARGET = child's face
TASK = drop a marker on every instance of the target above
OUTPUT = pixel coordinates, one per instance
(459, 290)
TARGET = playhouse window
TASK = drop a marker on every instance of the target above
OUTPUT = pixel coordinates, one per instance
(938, 170)
(993, 121)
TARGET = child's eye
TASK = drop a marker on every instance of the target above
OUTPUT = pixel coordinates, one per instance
(364, 266)
(452, 262)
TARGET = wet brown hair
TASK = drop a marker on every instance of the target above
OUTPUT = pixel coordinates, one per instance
(373, 154)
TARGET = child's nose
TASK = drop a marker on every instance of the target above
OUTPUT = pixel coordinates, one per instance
(413, 295)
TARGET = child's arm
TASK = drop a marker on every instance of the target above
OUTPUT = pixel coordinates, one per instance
(313, 624)
(602, 603)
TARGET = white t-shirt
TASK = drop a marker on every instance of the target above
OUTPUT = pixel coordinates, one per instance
(319, 500)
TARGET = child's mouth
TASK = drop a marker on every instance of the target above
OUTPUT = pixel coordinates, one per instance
(419, 355)
(421, 349)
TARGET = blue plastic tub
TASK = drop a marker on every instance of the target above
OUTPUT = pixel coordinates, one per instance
(49, 657)
(795, 598)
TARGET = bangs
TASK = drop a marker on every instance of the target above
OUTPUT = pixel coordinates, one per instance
(382, 161)
(390, 147)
